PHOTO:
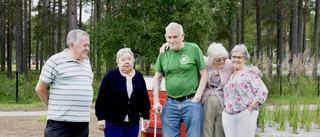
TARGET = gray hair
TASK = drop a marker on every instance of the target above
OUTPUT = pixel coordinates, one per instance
(214, 50)
(123, 50)
(74, 35)
(173, 26)
(242, 49)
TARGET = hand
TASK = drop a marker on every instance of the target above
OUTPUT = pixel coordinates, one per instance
(146, 123)
(164, 47)
(250, 108)
(101, 125)
(194, 99)
(157, 108)
(255, 70)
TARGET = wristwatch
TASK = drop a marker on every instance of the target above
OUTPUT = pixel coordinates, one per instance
(198, 97)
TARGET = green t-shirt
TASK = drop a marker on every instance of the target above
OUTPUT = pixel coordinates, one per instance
(181, 69)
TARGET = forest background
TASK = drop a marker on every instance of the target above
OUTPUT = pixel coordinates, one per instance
(282, 37)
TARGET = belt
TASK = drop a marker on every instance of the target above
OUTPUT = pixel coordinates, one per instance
(182, 98)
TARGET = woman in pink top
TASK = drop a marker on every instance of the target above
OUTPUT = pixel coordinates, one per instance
(243, 94)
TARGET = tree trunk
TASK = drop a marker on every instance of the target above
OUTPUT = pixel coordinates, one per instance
(59, 26)
(26, 40)
(300, 24)
(141, 62)
(80, 14)
(147, 66)
(259, 44)
(316, 37)
(279, 38)
(2, 38)
(293, 34)
(231, 36)
(9, 44)
(37, 43)
(238, 28)
(71, 15)
(19, 36)
(242, 22)
(53, 39)
(96, 43)
(29, 35)
(92, 55)
(50, 29)
(269, 50)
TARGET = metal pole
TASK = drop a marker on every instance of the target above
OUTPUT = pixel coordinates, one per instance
(280, 84)
(318, 85)
(17, 87)
(155, 124)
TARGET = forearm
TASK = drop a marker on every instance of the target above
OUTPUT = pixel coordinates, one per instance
(202, 82)
(156, 86)
(156, 90)
(254, 104)
(42, 92)
(44, 96)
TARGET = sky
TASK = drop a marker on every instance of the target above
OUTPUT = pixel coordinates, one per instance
(85, 10)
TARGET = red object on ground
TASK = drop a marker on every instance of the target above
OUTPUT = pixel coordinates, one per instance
(150, 131)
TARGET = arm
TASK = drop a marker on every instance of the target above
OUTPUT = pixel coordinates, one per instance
(42, 91)
(163, 48)
(100, 105)
(253, 105)
(260, 92)
(157, 108)
(202, 84)
(255, 70)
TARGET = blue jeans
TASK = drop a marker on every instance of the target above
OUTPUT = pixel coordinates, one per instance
(175, 112)
(112, 130)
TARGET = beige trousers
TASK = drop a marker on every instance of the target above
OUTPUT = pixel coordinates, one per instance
(212, 118)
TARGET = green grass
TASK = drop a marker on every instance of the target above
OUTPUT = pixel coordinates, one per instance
(34, 104)
(41, 119)
(284, 100)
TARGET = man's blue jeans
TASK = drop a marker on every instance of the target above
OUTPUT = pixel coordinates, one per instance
(175, 112)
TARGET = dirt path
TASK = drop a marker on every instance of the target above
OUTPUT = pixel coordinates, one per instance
(28, 123)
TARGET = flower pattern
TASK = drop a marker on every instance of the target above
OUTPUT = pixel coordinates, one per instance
(242, 90)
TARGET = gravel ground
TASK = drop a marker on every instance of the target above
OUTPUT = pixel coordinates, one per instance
(29, 126)
(273, 132)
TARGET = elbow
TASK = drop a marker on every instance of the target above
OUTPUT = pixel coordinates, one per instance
(37, 89)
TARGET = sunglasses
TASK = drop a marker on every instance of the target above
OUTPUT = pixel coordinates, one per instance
(220, 59)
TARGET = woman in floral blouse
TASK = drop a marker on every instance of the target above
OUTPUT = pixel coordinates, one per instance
(243, 94)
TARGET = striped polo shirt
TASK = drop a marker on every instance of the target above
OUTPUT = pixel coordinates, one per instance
(71, 89)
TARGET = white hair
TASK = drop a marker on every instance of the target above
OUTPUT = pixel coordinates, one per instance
(124, 50)
(173, 26)
(242, 49)
(214, 50)
(74, 35)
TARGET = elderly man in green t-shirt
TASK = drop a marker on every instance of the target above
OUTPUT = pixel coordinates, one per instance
(183, 65)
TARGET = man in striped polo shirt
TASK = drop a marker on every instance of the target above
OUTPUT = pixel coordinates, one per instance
(70, 78)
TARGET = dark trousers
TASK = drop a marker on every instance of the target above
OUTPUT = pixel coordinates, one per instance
(66, 129)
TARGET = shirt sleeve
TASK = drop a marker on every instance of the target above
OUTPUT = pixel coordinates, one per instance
(199, 58)
(259, 89)
(49, 72)
(158, 65)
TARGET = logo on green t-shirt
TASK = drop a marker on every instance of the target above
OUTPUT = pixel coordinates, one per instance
(184, 59)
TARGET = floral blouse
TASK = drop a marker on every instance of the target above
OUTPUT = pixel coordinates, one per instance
(242, 90)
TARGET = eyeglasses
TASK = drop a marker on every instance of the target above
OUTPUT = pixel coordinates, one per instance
(236, 57)
(220, 59)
